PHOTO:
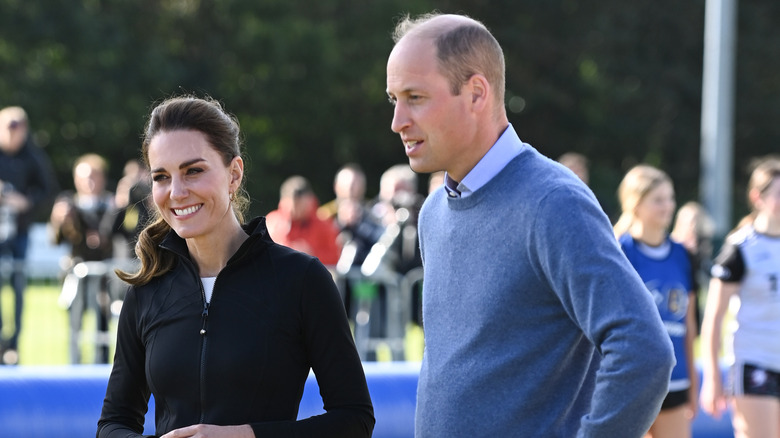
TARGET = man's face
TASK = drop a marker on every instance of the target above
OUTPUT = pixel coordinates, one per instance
(349, 185)
(88, 180)
(435, 126)
(302, 206)
(13, 132)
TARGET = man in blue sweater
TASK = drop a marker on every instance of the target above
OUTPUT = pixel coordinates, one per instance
(536, 325)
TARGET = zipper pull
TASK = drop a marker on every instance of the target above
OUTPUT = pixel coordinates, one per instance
(205, 315)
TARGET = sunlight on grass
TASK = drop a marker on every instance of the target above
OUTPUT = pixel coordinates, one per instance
(45, 328)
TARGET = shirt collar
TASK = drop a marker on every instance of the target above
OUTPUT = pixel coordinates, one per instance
(451, 186)
(507, 147)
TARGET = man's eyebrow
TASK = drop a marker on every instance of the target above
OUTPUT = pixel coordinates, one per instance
(404, 91)
(181, 166)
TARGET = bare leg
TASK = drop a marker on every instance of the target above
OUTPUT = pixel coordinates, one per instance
(756, 417)
(671, 423)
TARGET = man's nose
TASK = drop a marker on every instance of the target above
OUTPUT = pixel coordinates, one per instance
(401, 119)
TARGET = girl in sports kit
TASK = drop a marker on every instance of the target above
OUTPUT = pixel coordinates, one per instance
(647, 201)
(748, 266)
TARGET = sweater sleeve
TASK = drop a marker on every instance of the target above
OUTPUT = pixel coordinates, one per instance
(336, 365)
(127, 395)
(605, 297)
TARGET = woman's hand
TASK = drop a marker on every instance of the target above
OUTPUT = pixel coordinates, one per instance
(693, 403)
(211, 431)
(712, 399)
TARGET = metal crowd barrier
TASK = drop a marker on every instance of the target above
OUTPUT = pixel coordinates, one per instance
(381, 303)
(93, 286)
(381, 308)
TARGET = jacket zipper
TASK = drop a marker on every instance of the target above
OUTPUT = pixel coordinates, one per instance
(203, 332)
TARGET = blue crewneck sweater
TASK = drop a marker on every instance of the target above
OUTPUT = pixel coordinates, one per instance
(536, 325)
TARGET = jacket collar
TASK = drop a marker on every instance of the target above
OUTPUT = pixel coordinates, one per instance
(255, 228)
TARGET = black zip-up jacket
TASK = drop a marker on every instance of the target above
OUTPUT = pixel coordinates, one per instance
(242, 359)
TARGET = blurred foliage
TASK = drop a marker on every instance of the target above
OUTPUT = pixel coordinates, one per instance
(618, 81)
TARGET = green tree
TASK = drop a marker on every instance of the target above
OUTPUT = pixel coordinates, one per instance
(618, 81)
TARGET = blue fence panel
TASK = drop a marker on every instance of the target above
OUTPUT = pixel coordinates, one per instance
(65, 401)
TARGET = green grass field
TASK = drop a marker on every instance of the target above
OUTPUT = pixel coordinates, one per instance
(45, 328)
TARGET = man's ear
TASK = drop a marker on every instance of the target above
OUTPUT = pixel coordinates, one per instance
(479, 89)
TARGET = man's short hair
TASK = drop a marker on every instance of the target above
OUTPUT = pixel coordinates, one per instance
(462, 49)
(294, 187)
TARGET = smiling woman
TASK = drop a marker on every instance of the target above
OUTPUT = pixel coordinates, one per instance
(213, 294)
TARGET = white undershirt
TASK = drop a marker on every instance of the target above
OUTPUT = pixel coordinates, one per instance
(208, 286)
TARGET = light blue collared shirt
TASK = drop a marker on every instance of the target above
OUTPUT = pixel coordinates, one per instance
(507, 147)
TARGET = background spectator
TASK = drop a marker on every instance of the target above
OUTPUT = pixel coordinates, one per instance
(397, 207)
(132, 202)
(295, 223)
(748, 267)
(358, 231)
(578, 164)
(27, 185)
(694, 229)
(84, 219)
(648, 203)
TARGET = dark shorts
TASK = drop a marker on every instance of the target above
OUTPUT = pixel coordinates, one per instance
(675, 399)
(749, 379)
